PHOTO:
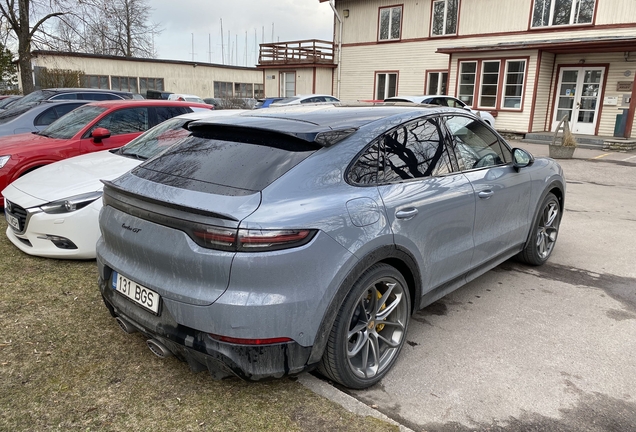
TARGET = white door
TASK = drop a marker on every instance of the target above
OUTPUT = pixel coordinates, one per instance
(578, 98)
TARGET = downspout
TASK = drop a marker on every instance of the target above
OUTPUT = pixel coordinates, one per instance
(333, 6)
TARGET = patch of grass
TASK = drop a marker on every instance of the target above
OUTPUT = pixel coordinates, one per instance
(65, 365)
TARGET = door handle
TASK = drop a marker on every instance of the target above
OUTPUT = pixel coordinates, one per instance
(406, 214)
(486, 194)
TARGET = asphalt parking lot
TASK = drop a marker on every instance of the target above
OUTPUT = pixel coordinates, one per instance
(546, 348)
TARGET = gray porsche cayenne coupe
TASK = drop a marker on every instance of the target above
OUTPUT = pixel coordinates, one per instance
(283, 240)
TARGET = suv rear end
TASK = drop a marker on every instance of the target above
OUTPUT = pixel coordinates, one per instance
(180, 262)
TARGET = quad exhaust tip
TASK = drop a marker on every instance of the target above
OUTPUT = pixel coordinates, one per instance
(158, 348)
(125, 325)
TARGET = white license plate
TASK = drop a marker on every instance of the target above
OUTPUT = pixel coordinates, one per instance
(139, 294)
(13, 221)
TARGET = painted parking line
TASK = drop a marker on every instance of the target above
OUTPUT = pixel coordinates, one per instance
(631, 157)
(601, 156)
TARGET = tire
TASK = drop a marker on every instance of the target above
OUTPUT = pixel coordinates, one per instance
(369, 330)
(544, 233)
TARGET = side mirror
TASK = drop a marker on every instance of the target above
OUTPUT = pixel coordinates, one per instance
(521, 158)
(100, 134)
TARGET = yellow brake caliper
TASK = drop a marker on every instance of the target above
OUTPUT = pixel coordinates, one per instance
(380, 327)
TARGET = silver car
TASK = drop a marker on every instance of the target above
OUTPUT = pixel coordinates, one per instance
(35, 118)
(283, 240)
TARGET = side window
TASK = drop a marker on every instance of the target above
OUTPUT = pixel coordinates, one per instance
(416, 150)
(65, 96)
(62, 110)
(365, 170)
(46, 118)
(125, 121)
(454, 103)
(165, 113)
(476, 146)
(96, 96)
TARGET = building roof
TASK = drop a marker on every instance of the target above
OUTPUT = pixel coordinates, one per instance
(571, 45)
(135, 59)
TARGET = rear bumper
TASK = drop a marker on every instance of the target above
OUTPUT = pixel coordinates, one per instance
(202, 352)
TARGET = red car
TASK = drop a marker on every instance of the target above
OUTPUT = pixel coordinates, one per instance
(92, 127)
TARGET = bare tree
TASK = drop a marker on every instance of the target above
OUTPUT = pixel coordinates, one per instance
(120, 27)
(18, 16)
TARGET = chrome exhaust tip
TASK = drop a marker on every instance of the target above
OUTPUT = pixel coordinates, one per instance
(125, 325)
(158, 348)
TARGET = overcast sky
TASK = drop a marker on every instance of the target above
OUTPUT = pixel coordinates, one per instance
(290, 20)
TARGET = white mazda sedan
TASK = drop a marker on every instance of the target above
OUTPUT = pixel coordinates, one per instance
(52, 211)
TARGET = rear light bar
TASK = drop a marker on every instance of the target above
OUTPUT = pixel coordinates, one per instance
(250, 240)
(241, 341)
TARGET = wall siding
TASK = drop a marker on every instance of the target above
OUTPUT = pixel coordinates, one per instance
(178, 78)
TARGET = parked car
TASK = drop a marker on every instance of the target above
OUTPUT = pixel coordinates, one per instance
(88, 94)
(231, 103)
(443, 100)
(37, 118)
(303, 99)
(281, 240)
(92, 127)
(264, 103)
(185, 97)
(7, 101)
(70, 191)
(157, 94)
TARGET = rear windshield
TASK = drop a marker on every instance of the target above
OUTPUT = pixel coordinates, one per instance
(67, 126)
(35, 96)
(227, 163)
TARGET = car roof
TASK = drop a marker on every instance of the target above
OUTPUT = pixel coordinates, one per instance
(309, 122)
(146, 102)
(82, 89)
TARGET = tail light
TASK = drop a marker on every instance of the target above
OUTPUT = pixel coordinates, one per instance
(248, 240)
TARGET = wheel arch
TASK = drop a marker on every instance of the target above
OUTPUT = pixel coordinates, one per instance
(556, 188)
(393, 255)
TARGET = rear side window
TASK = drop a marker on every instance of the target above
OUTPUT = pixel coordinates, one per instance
(227, 162)
(165, 113)
(123, 121)
(53, 113)
(416, 150)
(65, 96)
(96, 96)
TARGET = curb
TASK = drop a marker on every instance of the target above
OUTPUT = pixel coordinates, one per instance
(349, 403)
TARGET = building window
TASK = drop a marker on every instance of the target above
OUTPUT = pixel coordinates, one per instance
(223, 89)
(513, 84)
(390, 23)
(95, 81)
(562, 12)
(467, 74)
(490, 76)
(444, 19)
(243, 90)
(146, 84)
(436, 83)
(385, 85)
(287, 84)
(489, 84)
(259, 91)
(124, 84)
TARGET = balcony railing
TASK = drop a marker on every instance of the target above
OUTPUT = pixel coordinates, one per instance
(296, 53)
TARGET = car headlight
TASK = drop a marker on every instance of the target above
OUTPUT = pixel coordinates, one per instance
(71, 204)
(4, 160)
